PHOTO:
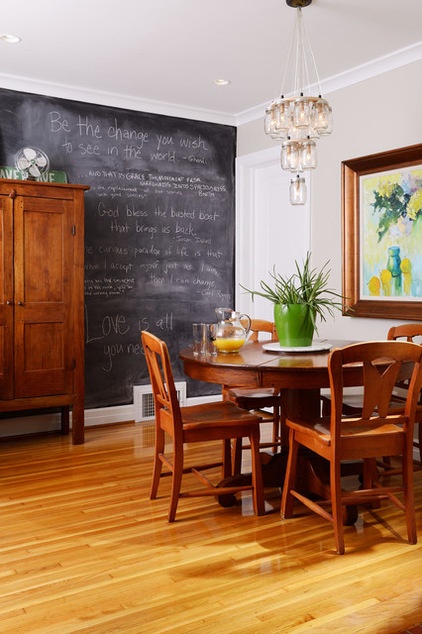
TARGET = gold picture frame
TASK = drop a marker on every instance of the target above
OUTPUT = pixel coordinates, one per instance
(382, 234)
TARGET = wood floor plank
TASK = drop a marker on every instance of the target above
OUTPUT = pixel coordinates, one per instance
(83, 549)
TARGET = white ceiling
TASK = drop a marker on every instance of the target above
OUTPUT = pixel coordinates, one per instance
(163, 55)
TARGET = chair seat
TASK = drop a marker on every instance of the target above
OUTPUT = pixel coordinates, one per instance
(349, 430)
(255, 398)
(352, 403)
(215, 414)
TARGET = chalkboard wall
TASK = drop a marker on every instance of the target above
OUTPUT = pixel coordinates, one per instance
(159, 226)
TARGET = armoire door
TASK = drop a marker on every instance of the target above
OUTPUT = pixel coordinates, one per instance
(6, 297)
(43, 267)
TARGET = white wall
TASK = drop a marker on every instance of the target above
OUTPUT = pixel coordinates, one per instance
(375, 115)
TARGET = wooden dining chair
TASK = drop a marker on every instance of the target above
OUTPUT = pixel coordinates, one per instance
(352, 403)
(220, 420)
(376, 431)
(266, 401)
(408, 332)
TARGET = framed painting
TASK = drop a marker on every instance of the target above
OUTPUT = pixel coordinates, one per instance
(382, 234)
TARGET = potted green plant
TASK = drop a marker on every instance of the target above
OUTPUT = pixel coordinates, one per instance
(298, 301)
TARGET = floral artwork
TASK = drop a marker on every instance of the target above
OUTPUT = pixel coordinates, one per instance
(382, 234)
(391, 235)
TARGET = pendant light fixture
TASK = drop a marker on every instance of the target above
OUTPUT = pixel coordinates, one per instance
(298, 118)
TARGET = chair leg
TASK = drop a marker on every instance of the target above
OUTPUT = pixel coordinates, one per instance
(276, 428)
(409, 497)
(257, 480)
(237, 456)
(227, 459)
(370, 473)
(325, 407)
(156, 471)
(275, 436)
(336, 506)
(176, 481)
(283, 429)
(287, 498)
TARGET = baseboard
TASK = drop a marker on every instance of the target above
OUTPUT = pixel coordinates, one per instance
(122, 413)
(107, 415)
(24, 425)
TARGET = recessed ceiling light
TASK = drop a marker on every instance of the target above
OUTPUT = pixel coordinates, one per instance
(10, 39)
(222, 82)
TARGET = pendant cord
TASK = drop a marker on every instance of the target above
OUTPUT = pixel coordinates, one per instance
(300, 50)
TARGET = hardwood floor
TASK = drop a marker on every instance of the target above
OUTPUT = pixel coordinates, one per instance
(83, 549)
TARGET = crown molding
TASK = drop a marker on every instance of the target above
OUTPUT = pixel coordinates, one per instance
(76, 93)
(355, 75)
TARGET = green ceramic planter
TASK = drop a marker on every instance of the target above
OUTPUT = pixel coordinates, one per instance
(294, 324)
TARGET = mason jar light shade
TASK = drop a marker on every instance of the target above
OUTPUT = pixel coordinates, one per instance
(328, 119)
(308, 155)
(322, 118)
(268, 121)
(302, 112)
(297, 191)
(283, 115)
(290, 159)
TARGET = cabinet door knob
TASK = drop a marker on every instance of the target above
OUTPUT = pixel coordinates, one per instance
(9, 302)
(20, 303)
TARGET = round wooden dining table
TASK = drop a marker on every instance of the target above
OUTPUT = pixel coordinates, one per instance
(299, 375)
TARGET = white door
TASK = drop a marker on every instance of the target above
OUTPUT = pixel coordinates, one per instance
(270, 232)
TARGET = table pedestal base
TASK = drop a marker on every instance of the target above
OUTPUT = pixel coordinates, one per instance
(313, 478)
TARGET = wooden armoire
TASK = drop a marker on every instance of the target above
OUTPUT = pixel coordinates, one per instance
(42, 300)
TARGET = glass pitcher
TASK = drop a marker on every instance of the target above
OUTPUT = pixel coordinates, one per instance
(231, 333)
